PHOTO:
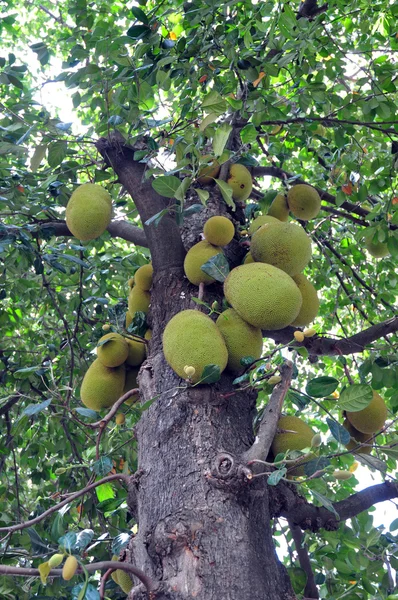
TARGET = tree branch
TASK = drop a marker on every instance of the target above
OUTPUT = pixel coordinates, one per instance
(260, 448)
(122, 229)
(310, 590)
(308, 10)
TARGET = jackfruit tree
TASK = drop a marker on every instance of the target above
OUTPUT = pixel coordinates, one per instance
(198, 277)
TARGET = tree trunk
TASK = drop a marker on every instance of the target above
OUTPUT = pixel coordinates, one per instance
(199, 535)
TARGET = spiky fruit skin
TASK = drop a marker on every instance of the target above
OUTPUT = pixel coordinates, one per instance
(136, 352)
(114, 352)
(138, 300)
(208, 173)
(248, 259)
(283, 442)
(259, 221)
(197, 256)
(279, 208)
(69, 568)
(310, 306)
(131, 384)
(124, 580)
(304, 201)
(376, 249)
(372, 418)
(263, 295)
(240, 181)
(283, 245)
(241, 339)
(89, 211)
(192, 338)
(359, 437)
(218, 231)
(129, 319)
(102, 386)
(143, 277)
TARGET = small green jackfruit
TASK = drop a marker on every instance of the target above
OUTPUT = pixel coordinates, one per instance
(376, 249)
(192, 338)
(89, 211)
(310, 306)
(218, 231)
(131, 384)
(279, 208)
(371, 418)
(197, 256)
(124, 580)
(112, 350)
(248, 259)
(69, 568)
(304, 201)
(263, 295)
(359, 438)
(241, 339)
(259, 221)
(143, 277)
(209, 172)
(136, 352)
(129, 319)
(102, 386)
(283, 245)
(299, 437)
(55, 560)
(240, 181)
(138, 300)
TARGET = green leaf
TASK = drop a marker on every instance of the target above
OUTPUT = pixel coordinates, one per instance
(102, 466)
(372, 462)
(203, 195)
(320, 387)
(276, 476)
(210, 374)
(138, 32)
(217, 267)
(208, 121)
(248, 134)
(38, 155)
(193, 209)
(220, 138)
(214, 104)
(139, 14)
(90, 592)
(104, 492)
(155, 219)
(56, 153)
(325, 502)
(183, 188)
(34, 409)
(166, 185)
(317, 464)
(339, 432)
(226, 192)
(355, 397)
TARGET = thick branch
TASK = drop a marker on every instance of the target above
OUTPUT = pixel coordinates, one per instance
(310, 9)
(122, 229)
(164, 239)
(259, 450)
(310, 590)
(354, 344)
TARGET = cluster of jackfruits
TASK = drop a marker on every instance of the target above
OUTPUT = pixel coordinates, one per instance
(218, 231)
(239, 177)
(89, 211)
(362, 424)
(293, 434)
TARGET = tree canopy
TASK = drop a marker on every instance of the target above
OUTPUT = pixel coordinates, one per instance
(298, 93)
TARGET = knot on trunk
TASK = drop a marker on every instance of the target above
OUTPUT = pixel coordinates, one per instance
(227, 472)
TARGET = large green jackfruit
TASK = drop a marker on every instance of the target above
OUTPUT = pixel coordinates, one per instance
(136, 352)
(310, 306)
(372, 418)
(300, 437)
(240, 181)
(376, 249)
(89, 211)
(263, 295)
(197, 256)
(283, 245)
(143, 277)
(304, 201)
(138, 300)
(359, 438)
(259, 221)
(218, 231)
(192, 339)
(279, 208)
(112, 350)
(241, 339)
(102, 386)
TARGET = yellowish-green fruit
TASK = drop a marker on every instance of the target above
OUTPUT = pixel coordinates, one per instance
(299, 437)
(299, 336)
(136, 352)
(372, 418)
(219, 231)
(89, 211)
(304, 201)
(316, 441)
(376, 249)
(309, 332)
(148, 334)
(130, 282)
(69, 568)
(259, 221)
(248, 259)
(320, 130)
(240, 181)
(197, 256)
(138, 300)
(114, 573)
(189, 371)
(129, 319)
(283, 245)
(124, 580)
(55, 560)
(112, 350)
(106, 327)
(342, 475)
(359, 438)
(241, 339)
(131, 384)
(263, 295)
(120, 418)
(192, 338)
(210, 171)
(274, 379)
(143, 277)
(102, 386)
(279, 208)
(310, 306)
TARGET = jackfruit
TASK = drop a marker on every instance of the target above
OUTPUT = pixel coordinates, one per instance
(148, 334)
(120, 419)
(279, 208)
(219, 231)
(143, 277)
(300, 439)
(89, 211)
(359, 438)
(259, 221)
(241, 338)
(342, 475)
(130, 282)
(102, 386)
(376, 249)
(192, 338)
(114, 352)
(263, 295)
(240, 181)
(210, 171)
(304, 201)
(131, 384)
(248, 259)
(299, 336)
(310, 306)
(129, 319)
(283, 245)
(69, 568)
(197, 256)
(138, 300)
(372, 418)
(55, 560)
(136, 352)
(124, 580)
